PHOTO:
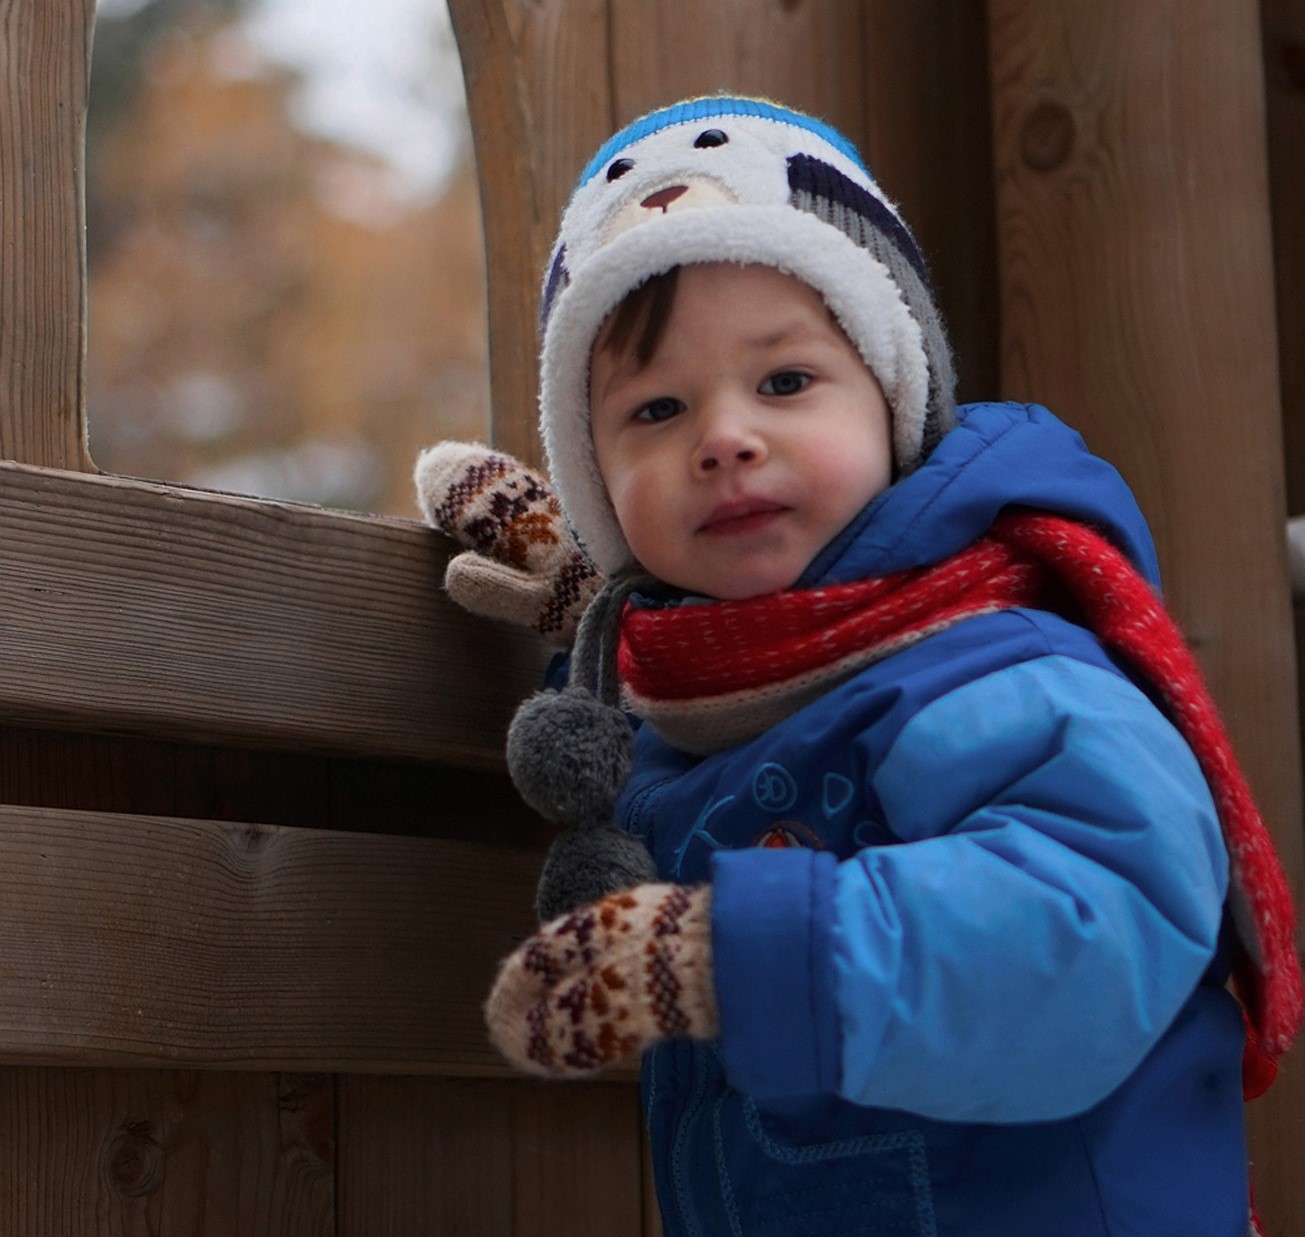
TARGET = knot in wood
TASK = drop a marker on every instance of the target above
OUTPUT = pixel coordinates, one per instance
(1047, 136)
(134, 1159)
(252, 839)
(307, 1104)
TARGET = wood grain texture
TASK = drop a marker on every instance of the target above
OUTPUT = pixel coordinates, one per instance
(1284, 73)
(1137, 281)
(652, 1216)
(490, 1158)
(141, 609)
(927, 137)
(806, 55)
(536, 74)
(154, 941)
(44, 71)
(1137, 302)
(144, 1153)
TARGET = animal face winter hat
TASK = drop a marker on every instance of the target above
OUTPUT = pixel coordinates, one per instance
(729, 179)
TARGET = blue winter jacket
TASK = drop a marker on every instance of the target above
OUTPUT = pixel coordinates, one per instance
(966, 919)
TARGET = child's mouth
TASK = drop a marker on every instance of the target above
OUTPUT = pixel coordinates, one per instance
(744, 516)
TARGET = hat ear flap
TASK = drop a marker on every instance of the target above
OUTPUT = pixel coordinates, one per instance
(569, 753)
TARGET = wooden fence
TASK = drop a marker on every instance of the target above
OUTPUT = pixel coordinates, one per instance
(257, 852)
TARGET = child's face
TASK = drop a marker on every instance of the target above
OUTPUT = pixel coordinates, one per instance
(751, 438)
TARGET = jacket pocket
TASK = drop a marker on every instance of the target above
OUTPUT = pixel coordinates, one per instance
(876, 1185)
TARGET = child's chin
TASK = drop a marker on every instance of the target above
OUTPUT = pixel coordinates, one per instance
(747, 587)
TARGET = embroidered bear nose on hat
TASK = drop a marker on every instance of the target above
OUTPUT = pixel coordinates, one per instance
(662, 199)
(689, 194)
(741, 180)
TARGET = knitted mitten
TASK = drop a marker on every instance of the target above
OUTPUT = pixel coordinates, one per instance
(522, 562)
(605, 982)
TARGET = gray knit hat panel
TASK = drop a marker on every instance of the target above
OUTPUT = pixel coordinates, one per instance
(918, 295)
(940, 414)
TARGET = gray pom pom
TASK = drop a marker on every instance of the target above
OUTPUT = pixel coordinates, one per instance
(587, 864)
(569, 755)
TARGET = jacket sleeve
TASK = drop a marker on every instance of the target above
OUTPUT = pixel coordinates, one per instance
(1056, 900)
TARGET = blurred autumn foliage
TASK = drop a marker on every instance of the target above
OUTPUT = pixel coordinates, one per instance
(266, 314)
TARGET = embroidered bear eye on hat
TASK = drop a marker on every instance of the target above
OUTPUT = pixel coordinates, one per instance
(728, 179)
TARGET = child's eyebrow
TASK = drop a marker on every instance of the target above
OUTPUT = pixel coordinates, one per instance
(621, 373)
(787, 333)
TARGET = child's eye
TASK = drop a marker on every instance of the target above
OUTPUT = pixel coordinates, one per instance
(656, 410)
(786, 382)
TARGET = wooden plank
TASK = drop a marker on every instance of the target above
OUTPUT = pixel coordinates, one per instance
(139, 1153)
(537, 80)
(652, 1216)
(743, 49)
(44, 70)
(151, 941)
(424, 1155)
(1284, 62)
(927, 137)
(1280, 1127)
(576, 1159)
(141, 609)
(491, 1158)
(1137, 301)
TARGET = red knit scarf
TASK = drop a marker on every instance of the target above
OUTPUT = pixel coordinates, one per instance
(712, 675)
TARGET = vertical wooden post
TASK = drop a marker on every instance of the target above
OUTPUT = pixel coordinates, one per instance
(1137, 302)
(1284, 56)
(44, 71)
(537, 74)
(928, 139)
(1284, 63)
(807, 56)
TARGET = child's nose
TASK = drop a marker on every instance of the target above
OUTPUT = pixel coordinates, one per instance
(727, 442)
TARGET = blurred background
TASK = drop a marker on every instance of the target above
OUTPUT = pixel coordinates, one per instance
(283, 232)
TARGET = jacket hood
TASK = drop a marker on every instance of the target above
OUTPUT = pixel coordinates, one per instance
(999, 455)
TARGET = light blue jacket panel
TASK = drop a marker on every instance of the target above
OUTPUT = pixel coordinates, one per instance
(1062, 842)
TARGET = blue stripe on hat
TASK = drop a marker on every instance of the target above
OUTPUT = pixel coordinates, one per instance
(707, 109)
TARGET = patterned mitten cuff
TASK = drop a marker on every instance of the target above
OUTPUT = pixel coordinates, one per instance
(522, 562)
(601, 984)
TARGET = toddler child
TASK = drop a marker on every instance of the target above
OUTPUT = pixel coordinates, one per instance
(939, 915)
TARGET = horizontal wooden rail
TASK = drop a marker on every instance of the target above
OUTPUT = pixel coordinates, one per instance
(133, 940)
(136, 608)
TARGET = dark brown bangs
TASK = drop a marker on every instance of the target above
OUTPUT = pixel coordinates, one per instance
(638, 323)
